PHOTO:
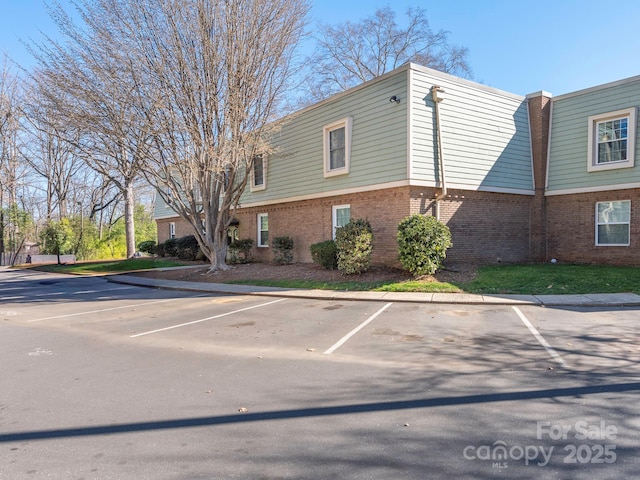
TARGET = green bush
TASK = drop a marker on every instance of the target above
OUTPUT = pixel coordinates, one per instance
(148, 246)
(240, 251)
(354, 243)
(171, 247)
(422, 244)
(283, 250)
(160, 250)
(187, 248)
(325, 254)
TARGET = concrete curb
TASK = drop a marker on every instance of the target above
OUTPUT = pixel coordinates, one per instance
(588, 300)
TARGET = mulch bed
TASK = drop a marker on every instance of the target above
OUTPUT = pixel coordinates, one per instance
(304, 271)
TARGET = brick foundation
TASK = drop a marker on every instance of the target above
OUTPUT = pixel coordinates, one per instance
(571, 224)
(486, 227)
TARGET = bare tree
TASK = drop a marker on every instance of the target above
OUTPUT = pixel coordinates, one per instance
(49, 154)
(12, 172)
(186, 91)
(213, 75)
(351, 53)
(88, 81)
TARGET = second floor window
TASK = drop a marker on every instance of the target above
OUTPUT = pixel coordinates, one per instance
(612, 140)
(258, 173)
(337, 147)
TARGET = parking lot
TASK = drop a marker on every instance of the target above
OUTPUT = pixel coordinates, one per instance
(102, 380)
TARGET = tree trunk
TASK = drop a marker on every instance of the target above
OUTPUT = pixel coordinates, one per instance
(129, 225)
(218, 256)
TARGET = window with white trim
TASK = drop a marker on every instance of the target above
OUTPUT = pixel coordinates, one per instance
(172, 230)
(341, 215)
(263, 229)
(337, 147)
(612, 140)
(613, 220)
(258, 173)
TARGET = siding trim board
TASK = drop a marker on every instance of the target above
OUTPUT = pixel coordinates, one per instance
(403, 183)
(600, 188)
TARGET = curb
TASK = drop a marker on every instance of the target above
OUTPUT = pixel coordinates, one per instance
(586, 300)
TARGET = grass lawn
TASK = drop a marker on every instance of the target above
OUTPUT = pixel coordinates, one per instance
(115, 266)
(541, 279)
(538, 279)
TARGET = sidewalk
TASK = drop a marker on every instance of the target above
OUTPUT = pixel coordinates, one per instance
(590, 300)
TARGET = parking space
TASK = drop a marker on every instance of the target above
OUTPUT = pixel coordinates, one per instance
(471, 338)
(592, 339)
(149, 383)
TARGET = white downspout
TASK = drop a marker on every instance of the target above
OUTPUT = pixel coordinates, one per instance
(437, 94)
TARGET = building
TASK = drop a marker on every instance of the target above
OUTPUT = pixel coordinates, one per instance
(508, 174)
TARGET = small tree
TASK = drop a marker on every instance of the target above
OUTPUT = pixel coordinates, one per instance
(422, 244)
(354, 243)
(283, 250)
(58, 238)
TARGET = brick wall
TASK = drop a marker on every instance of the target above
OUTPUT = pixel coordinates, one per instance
(571, 223)
(485, 227)
(182, 228)
(310, 221)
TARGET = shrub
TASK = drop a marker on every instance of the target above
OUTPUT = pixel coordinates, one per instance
(187, 248)
(325, 254)
(160, 250)
(422, 244)
(170, 247)
(148, 246)
(240, 251)
(354, 243)
(283, 250)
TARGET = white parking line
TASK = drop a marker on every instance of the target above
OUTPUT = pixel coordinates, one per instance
(82, 292)
(205, 319)
(540, 338)
(107, 309)
(356, 330)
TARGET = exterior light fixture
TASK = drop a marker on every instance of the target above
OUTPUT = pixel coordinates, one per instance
(437, 93)
(394, 99)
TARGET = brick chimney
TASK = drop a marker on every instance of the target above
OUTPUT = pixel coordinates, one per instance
(539, 107)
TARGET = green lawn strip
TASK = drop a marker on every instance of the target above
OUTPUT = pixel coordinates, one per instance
(549, 279)
(117, 266)
(539, 279)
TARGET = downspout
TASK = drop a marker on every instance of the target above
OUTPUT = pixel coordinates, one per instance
(437, 94)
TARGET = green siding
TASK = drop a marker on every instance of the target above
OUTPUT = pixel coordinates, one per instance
(378, 148)
(485, 135)
(568, 151)
(161, 209)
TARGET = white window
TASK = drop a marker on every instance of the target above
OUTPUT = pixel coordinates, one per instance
(258, 173)
(613, 221)
(340, 217)
(263, 229)
(172, 230)
(337, 147)
(612, 140)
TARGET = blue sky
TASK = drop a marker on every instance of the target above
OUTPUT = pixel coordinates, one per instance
(521, 46)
